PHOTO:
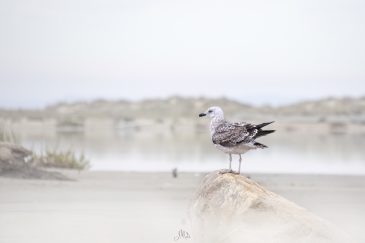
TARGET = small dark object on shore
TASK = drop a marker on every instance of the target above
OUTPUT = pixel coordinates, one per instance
(174, 172)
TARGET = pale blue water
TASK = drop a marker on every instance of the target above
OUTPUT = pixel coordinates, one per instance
(138, 151)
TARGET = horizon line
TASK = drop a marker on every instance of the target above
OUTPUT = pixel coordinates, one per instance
(139, 100)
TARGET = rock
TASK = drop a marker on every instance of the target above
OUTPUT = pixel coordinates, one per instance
(230, 208)
(5, 154)
(13, 163)
(13, 153)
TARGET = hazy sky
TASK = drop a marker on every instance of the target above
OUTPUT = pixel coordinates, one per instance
(260, 51)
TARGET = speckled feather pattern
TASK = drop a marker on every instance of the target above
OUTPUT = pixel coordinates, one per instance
(233, 138)
(231, 134)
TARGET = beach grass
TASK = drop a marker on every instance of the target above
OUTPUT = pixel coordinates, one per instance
(64, 159)
(7, 135)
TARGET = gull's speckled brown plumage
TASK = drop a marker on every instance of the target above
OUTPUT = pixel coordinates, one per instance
(231, 134)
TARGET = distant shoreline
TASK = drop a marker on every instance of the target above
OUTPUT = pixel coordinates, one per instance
(153, 98)
(329, 110)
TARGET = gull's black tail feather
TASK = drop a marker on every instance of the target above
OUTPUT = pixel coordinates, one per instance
(261, 133)
(260, 145)
(259, 126)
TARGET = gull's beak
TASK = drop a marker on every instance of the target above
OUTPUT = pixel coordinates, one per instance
(202, 114)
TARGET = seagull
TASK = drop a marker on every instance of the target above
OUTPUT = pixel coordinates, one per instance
(234, 138)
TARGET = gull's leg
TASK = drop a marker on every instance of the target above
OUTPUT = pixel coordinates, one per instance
(230, 162)
(239, 166)
(230, 166)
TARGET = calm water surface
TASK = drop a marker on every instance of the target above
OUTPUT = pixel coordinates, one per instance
(188, 151)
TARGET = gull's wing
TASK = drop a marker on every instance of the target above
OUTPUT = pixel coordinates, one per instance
(230, 134)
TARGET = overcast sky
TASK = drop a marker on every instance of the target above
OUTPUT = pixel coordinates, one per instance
(258, 51)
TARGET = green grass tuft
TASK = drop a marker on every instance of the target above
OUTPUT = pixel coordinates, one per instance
(7, 135)
(62, 159)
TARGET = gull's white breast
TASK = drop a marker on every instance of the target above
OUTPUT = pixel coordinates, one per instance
(239, 149)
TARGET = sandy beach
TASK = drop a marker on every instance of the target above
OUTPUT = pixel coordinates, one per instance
(120, 207)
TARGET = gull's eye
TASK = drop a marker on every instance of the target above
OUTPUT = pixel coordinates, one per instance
(210, 111)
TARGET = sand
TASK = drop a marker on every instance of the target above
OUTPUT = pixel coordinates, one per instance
(119, 207)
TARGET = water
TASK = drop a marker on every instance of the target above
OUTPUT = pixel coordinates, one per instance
(189, 151)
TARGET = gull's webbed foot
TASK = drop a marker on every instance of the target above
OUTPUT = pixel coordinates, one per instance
(225, 171)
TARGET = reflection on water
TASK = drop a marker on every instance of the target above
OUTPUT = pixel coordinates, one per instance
(189, 151)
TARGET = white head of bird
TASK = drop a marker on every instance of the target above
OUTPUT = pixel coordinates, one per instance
(213, 112)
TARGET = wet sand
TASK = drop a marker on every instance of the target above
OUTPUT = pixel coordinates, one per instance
(116, 207)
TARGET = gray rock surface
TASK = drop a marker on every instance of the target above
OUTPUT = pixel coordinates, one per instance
(13, 153)
(15, 162)
(230, 208)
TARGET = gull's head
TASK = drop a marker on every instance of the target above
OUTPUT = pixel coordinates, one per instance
(213, 112)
